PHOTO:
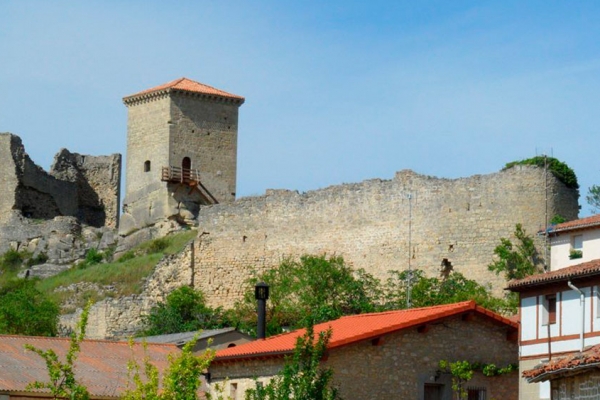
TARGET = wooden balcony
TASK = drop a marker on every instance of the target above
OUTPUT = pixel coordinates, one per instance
(172, 174)
(190, 177)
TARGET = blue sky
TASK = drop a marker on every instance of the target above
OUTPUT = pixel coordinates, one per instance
(337, 91)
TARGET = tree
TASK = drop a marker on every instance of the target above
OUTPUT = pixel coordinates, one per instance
(431, 291)
(181, 379)
(593, 198)
(302, 377)
(24, 310)
(312, 289)
(62, 376)
(185, 310)
(516, 261)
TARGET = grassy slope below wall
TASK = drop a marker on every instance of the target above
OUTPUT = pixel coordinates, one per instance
(119, 278)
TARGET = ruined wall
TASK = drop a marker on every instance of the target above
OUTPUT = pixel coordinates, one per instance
(84, 187)
(97, 182)
(461, 220)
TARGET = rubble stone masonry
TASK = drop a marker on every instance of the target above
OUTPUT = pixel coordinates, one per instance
(369, 224)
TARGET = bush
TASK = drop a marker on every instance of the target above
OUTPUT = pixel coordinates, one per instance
(158, 245)
(560, 170)
(11, 260)
(37, 260)
(24, 310)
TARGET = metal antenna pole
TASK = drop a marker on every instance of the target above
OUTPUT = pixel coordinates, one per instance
(409, 281)
(546, 214)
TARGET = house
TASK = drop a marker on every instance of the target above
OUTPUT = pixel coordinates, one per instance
(213, 338)
(101, 365)
(575, 242)
(574, 377)
(389, 355)
(559, 319)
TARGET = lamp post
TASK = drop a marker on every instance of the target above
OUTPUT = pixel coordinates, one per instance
(261, 294)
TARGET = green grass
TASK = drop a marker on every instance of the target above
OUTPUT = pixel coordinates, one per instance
(126, 276)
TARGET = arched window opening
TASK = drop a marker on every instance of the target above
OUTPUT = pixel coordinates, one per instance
(147, 166)
(186, 163)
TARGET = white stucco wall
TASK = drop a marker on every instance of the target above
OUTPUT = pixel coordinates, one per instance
(561, 245)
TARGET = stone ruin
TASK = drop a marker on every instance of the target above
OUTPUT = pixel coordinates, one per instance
(60, 212)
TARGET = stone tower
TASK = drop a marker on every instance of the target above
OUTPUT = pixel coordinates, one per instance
(181, 152)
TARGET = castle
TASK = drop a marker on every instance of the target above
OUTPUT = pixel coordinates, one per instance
(181, 168)
(181, 152)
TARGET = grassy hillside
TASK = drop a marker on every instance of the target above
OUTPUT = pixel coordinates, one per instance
(98, 277)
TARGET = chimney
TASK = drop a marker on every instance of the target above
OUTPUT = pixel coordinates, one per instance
(261, 294)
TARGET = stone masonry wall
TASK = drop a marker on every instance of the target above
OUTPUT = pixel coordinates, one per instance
(400, 366)
(206, 132)
(461, 220)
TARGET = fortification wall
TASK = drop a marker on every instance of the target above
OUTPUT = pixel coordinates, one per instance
(369, 223)
(84, 187)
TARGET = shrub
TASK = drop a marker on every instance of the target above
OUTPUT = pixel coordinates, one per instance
(158, 245)
(11, 260)
(560, 170)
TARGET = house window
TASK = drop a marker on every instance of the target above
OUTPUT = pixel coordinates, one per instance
(576, 247)
(432, 391)
(476, 393)
(549, 312)
(147, 166)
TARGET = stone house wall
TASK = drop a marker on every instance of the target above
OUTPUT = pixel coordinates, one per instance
(458, 220)
(580, 387)
(400, 366)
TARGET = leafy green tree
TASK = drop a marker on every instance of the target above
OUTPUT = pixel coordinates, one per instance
(184, 310)
(314, 288)
(181, 380)
(63, 384)
(593, 198)
(302, 377)
(431, 291)
(516, 261)
(24, 310)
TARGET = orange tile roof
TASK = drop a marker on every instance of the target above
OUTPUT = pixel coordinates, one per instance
(355, 328)
(101, 365)
(583, 270)
(582, 223)
(589, 358)
(185, 85)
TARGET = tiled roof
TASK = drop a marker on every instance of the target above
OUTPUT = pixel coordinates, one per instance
(101, 365)
(590, 268)
(588, 222)
(185, 85)
(355, 328)
(589, 358)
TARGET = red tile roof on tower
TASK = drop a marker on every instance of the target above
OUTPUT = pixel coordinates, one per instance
(583, 270)
(355, 328)
(588, 359)
(186, 85)
(101, 365)
(583, 223)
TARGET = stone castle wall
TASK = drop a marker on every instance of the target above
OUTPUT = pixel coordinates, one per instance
(460, 220)
(84, 187)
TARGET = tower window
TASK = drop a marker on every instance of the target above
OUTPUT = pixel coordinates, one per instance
(186, 163)
(147, 166)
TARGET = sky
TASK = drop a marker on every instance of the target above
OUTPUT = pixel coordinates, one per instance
(336, 91)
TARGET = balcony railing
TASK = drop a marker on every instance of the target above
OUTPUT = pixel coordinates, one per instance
(189, 177)
(180, 175)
